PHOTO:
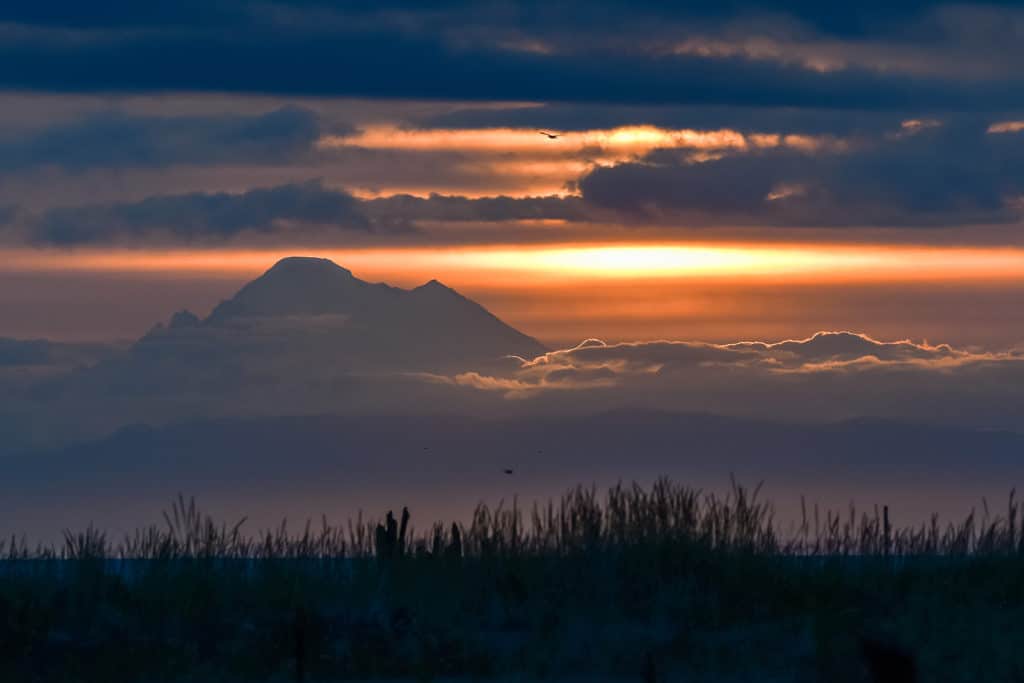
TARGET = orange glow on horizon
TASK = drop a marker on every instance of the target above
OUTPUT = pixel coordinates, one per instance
(567, 262)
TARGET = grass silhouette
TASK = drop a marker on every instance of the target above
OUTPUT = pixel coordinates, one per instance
(657, 584)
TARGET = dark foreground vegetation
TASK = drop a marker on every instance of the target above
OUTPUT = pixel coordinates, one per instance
(665, 584)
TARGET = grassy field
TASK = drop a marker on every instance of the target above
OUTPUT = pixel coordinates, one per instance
(663, 584)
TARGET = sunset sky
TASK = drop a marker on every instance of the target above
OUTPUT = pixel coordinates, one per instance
(691, 239)
(723, 172)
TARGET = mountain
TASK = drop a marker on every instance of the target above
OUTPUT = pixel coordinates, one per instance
(306, 337)
(300, 285)
(317, 308)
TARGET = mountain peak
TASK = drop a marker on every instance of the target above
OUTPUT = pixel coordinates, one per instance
(435, 286)
(311, 262)
(308, 264)
(427, 327)
(302, 285)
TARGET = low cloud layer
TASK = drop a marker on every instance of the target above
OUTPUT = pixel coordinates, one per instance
(595, 363)
(201, 217)
(119, 140)
(294, 212)
(323, 365)
(831, 375)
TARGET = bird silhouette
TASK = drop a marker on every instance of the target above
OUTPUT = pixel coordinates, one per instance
(509, 470)
(550, 136)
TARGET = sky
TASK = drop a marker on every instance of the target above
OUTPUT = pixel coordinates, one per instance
(773, 212)
(721, 171)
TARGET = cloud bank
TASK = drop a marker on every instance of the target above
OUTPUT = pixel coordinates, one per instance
(785, 54)
(202, 216)
(916, 173)
(921, 175)
(312, 365)
(831, 376)
(726, 115)
(119, 140)
(593, 362)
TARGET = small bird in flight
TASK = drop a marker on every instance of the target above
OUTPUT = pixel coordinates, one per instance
(550, 136)
(509, 470)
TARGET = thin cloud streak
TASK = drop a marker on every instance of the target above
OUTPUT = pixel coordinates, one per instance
(599, 145)
(1006, 127)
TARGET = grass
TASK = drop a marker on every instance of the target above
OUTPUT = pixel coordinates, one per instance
(665, 583)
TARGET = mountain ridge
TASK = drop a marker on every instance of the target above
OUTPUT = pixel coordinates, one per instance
(428, 327)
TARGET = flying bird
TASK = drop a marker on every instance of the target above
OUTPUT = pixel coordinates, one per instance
(509, 470)
(550, 136)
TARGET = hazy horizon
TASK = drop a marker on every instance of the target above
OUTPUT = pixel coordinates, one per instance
(106, 302)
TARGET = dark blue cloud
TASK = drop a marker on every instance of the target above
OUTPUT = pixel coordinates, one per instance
(115, 139)
(949, 175)
(847, 19)
(123, 13)
(200, 216)
(601, 52)
(212, 217)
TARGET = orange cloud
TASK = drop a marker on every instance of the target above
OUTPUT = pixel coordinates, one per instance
(525, 162)
(614, 144)
(1006, 127)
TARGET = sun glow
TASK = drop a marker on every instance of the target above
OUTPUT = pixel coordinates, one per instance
(823, 262)
(562, 293)
(546, 263)
(611, 144)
